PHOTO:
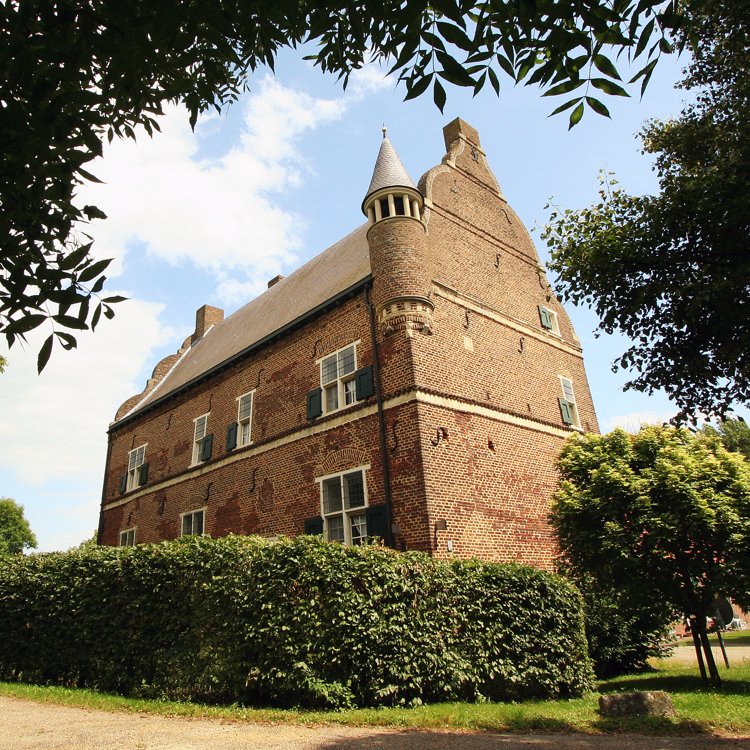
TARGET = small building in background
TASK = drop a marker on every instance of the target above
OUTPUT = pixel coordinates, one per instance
(413, 382)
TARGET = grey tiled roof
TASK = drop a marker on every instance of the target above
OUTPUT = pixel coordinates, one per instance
(333, 271)
(389, 171)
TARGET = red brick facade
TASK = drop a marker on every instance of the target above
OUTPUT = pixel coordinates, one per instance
(470, 384)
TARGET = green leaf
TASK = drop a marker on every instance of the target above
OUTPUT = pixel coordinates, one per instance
(563, 88)
(606, 67)
(565, 106)
(609, 87)
(90, 177)
(68, 341)
(597, 106)
(413, 90)
(25, 324)
(439, 95)
(70, 322)
(44, 353)
(94, 270)
(455, 35)
(453, 72)
(114, 299)
(576, 115)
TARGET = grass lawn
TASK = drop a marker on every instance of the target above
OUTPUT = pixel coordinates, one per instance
(726, 711)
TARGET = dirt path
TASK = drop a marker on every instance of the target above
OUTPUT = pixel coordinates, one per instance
(737, 654)
(25, 725)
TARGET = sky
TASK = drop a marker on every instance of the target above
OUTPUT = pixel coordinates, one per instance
(208, 217)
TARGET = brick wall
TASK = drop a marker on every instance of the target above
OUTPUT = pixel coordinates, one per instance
(472, 418)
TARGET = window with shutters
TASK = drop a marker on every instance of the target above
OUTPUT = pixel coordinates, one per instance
(568, 407)
(136, 459)
(548, 320)
(245, 418)
(343, 500)
(337, 378)
(199, 437)
(127, 537)
(193, 522)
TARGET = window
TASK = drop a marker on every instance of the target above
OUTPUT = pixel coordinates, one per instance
(127, 538)
(568, 407)
(548, 319)
(192, 523)
(337, 378)
(202, 443)
(344, 503)
(137, 469)
(245, 418)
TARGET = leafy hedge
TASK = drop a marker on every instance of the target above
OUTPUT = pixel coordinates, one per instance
(293, 622)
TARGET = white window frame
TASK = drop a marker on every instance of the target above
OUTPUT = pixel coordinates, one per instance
(135, 462)
(342, 385)
(346, 514)
(202, 511)
(242, 439)
(198, 441)
(553, 317)
(569, 396)
(127, 537)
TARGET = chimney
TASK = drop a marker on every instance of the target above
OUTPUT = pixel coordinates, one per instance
(275, 280)
(206, 317)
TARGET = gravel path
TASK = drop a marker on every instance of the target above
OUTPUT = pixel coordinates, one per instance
(25, 725)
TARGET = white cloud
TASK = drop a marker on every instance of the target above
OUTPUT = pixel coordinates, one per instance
(634, 421)
(218, 215)
(52, 426)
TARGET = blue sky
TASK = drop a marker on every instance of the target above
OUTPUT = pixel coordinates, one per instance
(209, 217)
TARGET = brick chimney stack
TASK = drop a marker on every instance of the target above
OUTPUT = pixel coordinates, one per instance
(206, 317)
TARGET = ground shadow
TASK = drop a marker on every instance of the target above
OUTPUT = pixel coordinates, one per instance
(675, 684)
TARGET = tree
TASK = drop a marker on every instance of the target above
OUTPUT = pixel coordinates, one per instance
(15, 533)
(662, 517)
(672, 271)
(734, 435)
(76, 71)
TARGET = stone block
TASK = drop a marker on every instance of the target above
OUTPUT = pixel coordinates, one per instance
(646, 703)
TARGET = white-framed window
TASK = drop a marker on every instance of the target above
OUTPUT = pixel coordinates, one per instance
(568, 407)
(245, 418)
(343, 501)
(127, 537)
(337, 378)
(193, 522)
(199, 435)
(136, 459)
(548, 319)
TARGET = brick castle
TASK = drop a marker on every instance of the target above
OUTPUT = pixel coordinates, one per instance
(414, 381)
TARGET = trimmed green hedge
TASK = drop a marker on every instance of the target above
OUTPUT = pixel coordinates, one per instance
(292, 622)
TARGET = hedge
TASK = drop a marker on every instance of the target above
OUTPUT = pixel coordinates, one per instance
(292, 622)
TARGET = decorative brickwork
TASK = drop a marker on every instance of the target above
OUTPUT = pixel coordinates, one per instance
(469, 418)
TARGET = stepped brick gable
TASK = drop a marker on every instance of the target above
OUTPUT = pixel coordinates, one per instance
(413, 382)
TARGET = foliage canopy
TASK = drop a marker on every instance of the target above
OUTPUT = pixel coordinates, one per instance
(672, 271)
(74, 72)
(15, 533)
(662, 517)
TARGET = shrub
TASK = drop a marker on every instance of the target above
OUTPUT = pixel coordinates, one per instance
(293, 622)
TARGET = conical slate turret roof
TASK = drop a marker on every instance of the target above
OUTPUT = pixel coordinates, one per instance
(389, 171)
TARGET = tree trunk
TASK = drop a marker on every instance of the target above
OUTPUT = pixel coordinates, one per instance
(700, 623)
(698, 654)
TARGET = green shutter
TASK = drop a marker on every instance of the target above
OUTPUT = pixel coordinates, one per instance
(377, 522)
(314, 526)
(545, 317)
(207, 447)
(567, 416)
(232, 436)
(364, 383)
(315, 403)
(124, 483)
(143, 474)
